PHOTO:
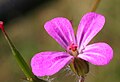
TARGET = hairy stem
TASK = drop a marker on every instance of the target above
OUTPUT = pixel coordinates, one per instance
(82, 79)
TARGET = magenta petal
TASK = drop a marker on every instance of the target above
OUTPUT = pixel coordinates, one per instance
(49, 63)
(90, 24)
(61, 30)
(97, 54)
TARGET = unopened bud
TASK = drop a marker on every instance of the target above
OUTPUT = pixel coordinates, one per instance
(1, 25)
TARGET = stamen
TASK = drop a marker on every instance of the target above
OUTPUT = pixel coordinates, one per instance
(73, 47)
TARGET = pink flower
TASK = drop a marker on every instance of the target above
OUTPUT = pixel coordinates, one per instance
(49, 63)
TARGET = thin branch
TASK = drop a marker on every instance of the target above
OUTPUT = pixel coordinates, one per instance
(95, 5)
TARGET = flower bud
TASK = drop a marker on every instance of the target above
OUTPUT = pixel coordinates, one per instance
(1, 25)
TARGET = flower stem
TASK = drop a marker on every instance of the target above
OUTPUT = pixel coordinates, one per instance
(95, 5)
(82, 79)
(21, 62)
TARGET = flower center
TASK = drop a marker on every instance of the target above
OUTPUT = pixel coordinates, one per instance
(73, 49)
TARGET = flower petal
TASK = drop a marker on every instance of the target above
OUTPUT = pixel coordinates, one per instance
(90, 24)
(61, 30)
(49, 63)
(97, 54)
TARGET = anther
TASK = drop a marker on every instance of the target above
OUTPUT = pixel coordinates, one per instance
(73, 47)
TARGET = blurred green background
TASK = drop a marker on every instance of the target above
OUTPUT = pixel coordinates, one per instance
(28, 34)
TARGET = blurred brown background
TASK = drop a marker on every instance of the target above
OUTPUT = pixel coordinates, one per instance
(28, 34)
